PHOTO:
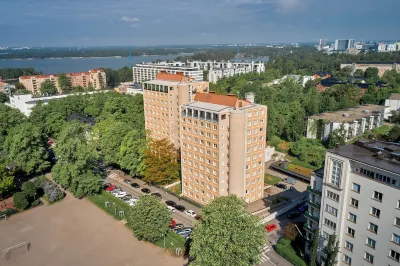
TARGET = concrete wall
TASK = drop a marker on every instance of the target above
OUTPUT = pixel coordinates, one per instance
(392, 105)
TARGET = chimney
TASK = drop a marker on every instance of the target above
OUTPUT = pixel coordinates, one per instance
(250, 97)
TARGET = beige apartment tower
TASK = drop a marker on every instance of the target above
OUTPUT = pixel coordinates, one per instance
(222, 140)
(162, 98)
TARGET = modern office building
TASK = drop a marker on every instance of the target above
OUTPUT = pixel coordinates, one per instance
(355, 121)
(208, 65)
(162, 98)
(341, 45)
(222, 147)
(94, 77)
(356, 197)
(148, 71)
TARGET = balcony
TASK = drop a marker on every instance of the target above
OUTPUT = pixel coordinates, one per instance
(313, 204)
(309, 228)
(312, 217)
(314, 191)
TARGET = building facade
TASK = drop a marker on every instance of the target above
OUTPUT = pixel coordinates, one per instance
(94, 77)
(359, 202)
(208, 65)
(216, 74)
(162, 98)
(149, 71)
(382, 67)
(355, 121)
(222, 147)
(392, 104)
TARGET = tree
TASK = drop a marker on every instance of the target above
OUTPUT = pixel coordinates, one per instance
(336, 137)
(21, 200)
(314, 249)
(20, 89)
(290, 231)
(26, 148)
(9, 118)
(77, 166)
(64, 83)
(309, 150)
(149, 219)
(3, 97)
(371, 74)
(131, 153)
(48, 88)
(359, 73)
(30, 189)
(394, 133)
(332, 251)
(227, 234)
(6, 180)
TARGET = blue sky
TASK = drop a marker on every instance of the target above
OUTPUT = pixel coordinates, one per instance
(158, 22)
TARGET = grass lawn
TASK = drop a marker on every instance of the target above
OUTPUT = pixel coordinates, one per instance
(300, 169)
(271, 180)
(115, 204)
(177, 189)
(172, 242)
(382, 130)
(296, 161)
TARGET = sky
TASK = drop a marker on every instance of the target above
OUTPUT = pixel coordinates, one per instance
(162, 22)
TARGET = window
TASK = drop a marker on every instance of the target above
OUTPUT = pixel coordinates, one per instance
(352, 217)
(331, 210)
(350, 231)
(377, 196)
(330, 224)
(396, 239)
(371, 243)
(332, 196)
(375, 212)
(347, 259)
(373, 228)
(368, 257)
(397, 221)
(394, 255)
(348, 245)
(354, 203)
(398, 204)
(356, 188)
(336, 173)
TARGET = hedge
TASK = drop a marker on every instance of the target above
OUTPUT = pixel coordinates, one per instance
(284, 249)
(8, 212)
(52, 192)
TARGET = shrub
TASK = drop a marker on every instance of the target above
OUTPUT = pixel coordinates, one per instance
(284, 249)
(21, 200)
(52, 192)
(8, 212)
(35, 203)
(29, 188)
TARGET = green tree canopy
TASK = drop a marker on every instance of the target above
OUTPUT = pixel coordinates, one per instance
(131, 153)
(21, 200)
(64, 83)
(20, 89)
(6, 180)
(227, 235)
(309, 150)
(48, 88)
(9, 118)
(371, 74)
(336, 137)
(149, 219)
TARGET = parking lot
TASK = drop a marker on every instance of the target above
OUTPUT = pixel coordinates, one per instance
(76, 232)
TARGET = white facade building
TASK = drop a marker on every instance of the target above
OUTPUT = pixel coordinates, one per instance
(217, 73)
(208, 65)
(297, 78)
(149, 71)
(356, 197)
(392, 104)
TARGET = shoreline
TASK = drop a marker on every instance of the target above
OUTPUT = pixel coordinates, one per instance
(83, 57)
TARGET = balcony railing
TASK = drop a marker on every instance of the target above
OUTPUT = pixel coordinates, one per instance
(309, 228)
(312, 217)
(314, 191)
(316, 205)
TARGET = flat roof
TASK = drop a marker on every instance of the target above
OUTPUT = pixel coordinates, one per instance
(208, 106)
(395, 96)
(170, 83)
(350, 114)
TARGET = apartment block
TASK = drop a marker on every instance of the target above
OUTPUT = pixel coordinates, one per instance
(162, 98)
(381, 66)
(248, 66)
(216, 74)
(94, 77)
(222, 147)
(356, 196)
(149, 71)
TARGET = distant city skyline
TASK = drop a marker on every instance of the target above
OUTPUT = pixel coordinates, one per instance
(154, 22)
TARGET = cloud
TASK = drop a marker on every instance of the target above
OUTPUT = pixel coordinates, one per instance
(287, 6)
(130, 20)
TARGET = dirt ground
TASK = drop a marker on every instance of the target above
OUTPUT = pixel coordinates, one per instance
(75, 232)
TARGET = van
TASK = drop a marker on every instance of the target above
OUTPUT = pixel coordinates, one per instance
(289, 180)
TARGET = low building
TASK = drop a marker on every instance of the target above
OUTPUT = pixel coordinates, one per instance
(355, 121)
(392, 104)
(297, 78)
(5, 87)
(216, 74)
(129, 88)
(322, 75)
(148, 71)
(381, 66)
(325, 84)
(356, 197)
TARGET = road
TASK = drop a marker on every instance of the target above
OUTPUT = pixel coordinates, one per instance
(178, 216)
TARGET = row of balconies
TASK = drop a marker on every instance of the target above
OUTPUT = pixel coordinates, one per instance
(314, 191)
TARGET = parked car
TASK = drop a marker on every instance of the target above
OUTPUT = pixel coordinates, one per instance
(303, 208)
(180, 208)
(184, 230)
(186, 235)
(270, 227)
(116, 191)
(145, 190)
(290, 180)
(177, 227)
(190, 213)
(170, 203)
(280, 185)
(172, 223)
(110, 187)
(121, 194)
(293, 215)
(157, 195)
(170, 208)
(135, 185)
(127, 181)
(127, 197)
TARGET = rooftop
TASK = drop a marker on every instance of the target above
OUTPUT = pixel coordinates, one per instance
(230, 100)
(208, 106)
(350, 114)
(371, 63)
(178, 77)
(383, 155)
(395, 96)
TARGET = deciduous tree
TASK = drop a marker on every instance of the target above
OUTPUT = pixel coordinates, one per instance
(314, 249)
(48, 88)
(290, 231)
(131, 153)
(227, 235)
(6, 180)
(64, 83)
(21, 201)
(332, 251)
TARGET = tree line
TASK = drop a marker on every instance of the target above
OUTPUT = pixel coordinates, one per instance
(14, 73)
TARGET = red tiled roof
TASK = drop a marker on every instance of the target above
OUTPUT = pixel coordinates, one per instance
(227, 100)
(178, 77)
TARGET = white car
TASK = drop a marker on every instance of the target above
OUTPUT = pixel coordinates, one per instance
(190, 213)
(170, 208)
(121, 194)
(115, 192)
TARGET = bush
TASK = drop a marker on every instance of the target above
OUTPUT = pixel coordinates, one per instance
(21, 200)
(284, 249)
(29, 188)
(8, 212)
(52, 192)
(35, 203)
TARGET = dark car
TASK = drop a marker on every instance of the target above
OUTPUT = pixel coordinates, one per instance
(136, 185)
(145, 190)
(280, 185)
(180, 208)
(178, 227)
(170, 203)
(303, 208)
(157, 195)
(293, 215)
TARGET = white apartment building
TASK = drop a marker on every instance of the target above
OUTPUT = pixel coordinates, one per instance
(356, 197)
(208, 65)
(216, 74)
(297, 78)
(148, 71)
(392, 104)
